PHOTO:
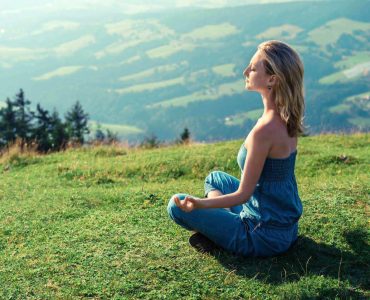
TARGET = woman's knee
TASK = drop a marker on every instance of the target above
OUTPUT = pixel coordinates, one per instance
(213, 181)
(172, 209)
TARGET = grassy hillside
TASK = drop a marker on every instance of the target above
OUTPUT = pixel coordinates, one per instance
(92, 223)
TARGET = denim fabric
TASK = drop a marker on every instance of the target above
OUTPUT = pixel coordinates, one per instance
(265, 225)
(220, 225)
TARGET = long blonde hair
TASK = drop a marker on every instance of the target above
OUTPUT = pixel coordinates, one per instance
(284, 62)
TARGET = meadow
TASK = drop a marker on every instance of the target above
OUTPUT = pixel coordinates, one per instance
(91, 223)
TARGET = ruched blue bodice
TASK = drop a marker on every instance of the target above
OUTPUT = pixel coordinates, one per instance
(275, 201)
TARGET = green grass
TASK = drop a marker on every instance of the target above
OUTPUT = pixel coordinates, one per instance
(353, 105)
(226, 70)
(283, 32)
(72, 47)
(355, 59)
(226, 89)
(239, 119)
(150, 86)
(60, 72)
(92, 224)
(347, 75)
(332, 30)
(152, 71)
(211, 32)
(121, 130)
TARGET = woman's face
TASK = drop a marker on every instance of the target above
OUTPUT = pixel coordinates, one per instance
(256, 78)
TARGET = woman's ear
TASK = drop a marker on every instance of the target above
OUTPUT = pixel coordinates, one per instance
(272, 80)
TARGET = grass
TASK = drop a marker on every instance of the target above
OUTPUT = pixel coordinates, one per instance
(91, 223)
(211, 32)
(355, 59)
(60, 72)
(354, 103)
(72, 47)
(240, 118)
(332, 30)
(347, 75)
(283, 32)
(150, 86)
(152, 71)
(121, 130)
(226, 89)
(225, 70)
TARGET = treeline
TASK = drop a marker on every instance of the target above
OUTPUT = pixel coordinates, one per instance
(47, 131)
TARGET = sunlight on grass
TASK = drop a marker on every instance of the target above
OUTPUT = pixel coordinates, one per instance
(226, 70)
(150, 86)
(153, 71)
(355, 59)
(283, 32)
(72, 47)
(91, 223)
(211, 32)
(60, 72)
(356, 71)
(332, 30)
(239, 119)
(14, 54)
(226, 89)
(121, 130)
(54, 25)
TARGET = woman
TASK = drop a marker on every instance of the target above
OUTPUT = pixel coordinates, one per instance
(258, 215)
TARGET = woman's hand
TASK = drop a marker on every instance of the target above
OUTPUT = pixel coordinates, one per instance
(188, 204)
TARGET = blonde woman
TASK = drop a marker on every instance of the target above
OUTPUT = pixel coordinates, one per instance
(258, 215)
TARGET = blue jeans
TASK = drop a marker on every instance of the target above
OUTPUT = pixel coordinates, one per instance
(223, 227)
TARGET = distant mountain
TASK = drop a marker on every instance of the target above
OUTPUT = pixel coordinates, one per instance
(182, 67)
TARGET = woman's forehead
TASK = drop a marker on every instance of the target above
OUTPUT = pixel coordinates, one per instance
(257, 58)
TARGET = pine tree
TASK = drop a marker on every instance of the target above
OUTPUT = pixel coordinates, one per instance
(77, 123)
(7, 124)
(59, 134)
(99, 134)
(112, 137)
(42, 130)
(185, 136)
(23, 117)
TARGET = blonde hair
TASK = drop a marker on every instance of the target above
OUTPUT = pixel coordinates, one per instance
(284, 62)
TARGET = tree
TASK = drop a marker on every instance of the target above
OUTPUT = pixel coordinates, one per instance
(99, 134)
(112, 137)
(59, 134)
(7, 124)
(77, 121)
(42, 130)
(185, 136)
(23, 117)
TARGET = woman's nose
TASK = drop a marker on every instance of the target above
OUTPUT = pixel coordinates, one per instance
(245, 72)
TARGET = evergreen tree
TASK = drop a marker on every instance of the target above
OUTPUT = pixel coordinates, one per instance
(59, 134)
(7, 124)
(77, 121)
(42, 130)
(185, 136)
(99, 134)
(23, 117)
(112, 137)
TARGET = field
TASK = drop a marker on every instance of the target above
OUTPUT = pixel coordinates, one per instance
(91, 223)
(226, 89)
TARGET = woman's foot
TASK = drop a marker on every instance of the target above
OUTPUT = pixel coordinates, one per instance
(201, 243)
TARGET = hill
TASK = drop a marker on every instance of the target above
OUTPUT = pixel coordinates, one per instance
(161, 71)
(92, 223)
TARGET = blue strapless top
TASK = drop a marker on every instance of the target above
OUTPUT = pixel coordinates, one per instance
(275, 201)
